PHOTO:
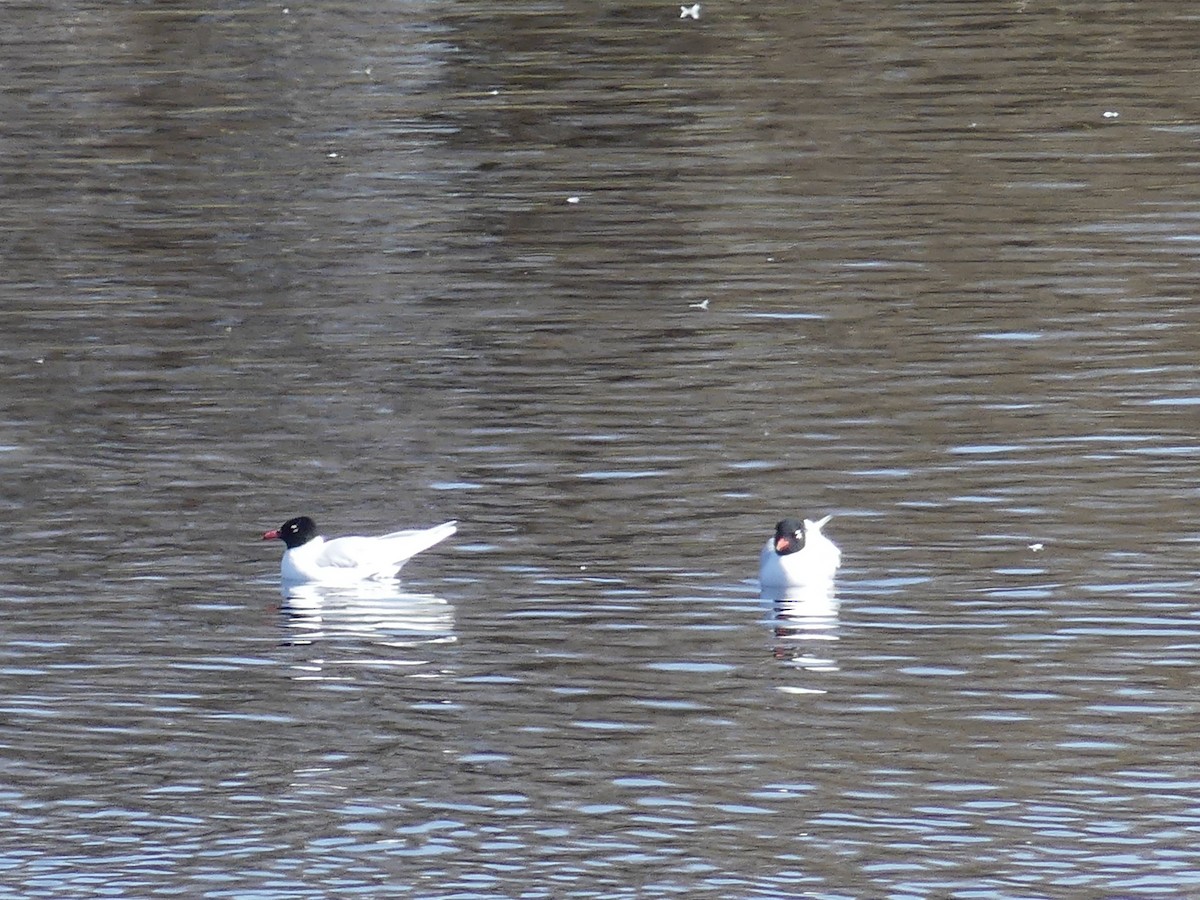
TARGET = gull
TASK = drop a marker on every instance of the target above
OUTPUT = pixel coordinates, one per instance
(310, 559)
(798, 555)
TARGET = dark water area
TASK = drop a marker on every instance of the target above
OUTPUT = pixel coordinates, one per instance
(616, 289)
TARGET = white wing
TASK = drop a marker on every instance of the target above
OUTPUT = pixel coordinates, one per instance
(403, 545)
(380, 552)
(349, 553)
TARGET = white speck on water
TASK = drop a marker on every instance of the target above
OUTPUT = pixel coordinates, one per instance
(690, 12)
(572, 199)
(1036, 547)
(1111, 114)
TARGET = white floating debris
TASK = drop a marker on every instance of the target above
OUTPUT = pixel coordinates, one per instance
(703, 304)
(1111, 114)
(690, 12)
(331, 155)
(1036, 547)
(572, 199)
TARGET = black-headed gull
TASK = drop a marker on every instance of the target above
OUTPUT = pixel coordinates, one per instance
(799, 555)
(310, 559)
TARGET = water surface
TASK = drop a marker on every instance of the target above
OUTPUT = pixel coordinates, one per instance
(616, 290)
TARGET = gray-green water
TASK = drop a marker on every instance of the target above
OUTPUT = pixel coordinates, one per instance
(616, 290)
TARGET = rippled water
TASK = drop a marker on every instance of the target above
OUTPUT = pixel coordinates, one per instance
(616, 290)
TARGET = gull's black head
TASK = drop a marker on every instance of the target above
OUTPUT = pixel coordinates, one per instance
(294, 532)
(789, 537)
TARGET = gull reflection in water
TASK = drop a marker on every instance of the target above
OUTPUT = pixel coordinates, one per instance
(804, 623)
(381, 612)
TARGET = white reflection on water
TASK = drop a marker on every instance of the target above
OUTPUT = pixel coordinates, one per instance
(382, 612)
(804, 623)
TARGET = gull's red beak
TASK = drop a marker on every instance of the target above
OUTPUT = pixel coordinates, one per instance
(781, 544)
(272, 535)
